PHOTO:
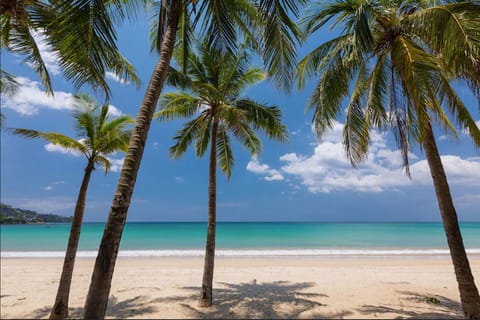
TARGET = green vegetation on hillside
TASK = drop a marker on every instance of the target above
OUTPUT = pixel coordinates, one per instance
(10, 215)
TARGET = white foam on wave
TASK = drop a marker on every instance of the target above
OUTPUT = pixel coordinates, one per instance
(240, 253)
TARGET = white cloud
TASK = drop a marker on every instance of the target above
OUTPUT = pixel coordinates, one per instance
(112, 76)
(328, 169)
(50, 147)
(48, 188)
(114, 111)
(115, 164)
(30, 98)
(263, 169)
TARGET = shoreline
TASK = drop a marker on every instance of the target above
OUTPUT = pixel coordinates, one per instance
(324, 253)
(246, 287)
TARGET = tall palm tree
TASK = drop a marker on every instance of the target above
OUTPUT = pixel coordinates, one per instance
(214, 100)
(99, 137)
(224, 21)
(81, 34)
(396, 60)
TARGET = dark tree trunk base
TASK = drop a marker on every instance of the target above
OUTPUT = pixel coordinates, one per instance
(205, 303)
(59, 312)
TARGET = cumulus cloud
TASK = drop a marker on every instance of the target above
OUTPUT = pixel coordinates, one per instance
(263, 169)
(31, 98)
(327, 168)
(115, 164)
(50, 147)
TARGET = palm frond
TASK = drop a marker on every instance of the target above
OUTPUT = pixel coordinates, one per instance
(356, 135)
(265, 118)
(457, 36)
(375, 113)
(53, 137)
(455, 105)
(280, 37)
(203, 138)
(8, 84)
(186, 136)
(104, 162)
(175, 105)
(224, 152)
(312, 63)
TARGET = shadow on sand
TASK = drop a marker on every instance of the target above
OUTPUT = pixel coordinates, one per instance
(269, 300)
(129, 308)
(439, 307)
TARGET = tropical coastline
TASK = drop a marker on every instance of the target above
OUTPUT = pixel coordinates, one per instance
(413, 278)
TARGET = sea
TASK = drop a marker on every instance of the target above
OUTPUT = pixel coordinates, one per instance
(238, 239)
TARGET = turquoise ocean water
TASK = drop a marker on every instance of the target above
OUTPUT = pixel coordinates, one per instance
(242, 239)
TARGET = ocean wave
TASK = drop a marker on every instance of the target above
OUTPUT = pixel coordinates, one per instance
(241, 253)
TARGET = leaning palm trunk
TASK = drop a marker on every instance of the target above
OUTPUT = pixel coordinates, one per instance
(60, 308)
(468, 291)
(207, 281)
(99, 290)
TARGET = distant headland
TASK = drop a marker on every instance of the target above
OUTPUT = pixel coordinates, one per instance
(11, 215)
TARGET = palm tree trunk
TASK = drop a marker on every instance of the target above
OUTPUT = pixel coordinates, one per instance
(208, 266)
(99, 290)
(60, 308)
(468, 291)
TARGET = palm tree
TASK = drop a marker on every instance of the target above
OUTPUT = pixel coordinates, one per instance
(222, 21)
(81, 34)
(404, 55)
(99, 137)
(216, 81)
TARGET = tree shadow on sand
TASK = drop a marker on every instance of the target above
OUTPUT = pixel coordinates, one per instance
(270, 300)
(134, 307)
(439, 307)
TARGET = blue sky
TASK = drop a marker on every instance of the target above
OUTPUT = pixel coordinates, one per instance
(302, 180)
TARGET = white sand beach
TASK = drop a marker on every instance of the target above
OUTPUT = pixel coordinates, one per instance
(277, 287)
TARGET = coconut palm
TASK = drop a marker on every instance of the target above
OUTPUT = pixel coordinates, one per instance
(396, 60)
(80, 33)
(225, 22)
(99, 136)
(216, 82)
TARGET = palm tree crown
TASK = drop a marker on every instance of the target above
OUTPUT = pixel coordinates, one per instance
(215, 82)
(388, 56)
(98, 135)
(80, 33)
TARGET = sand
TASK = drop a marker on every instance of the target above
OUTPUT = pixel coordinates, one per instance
(249, 287)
